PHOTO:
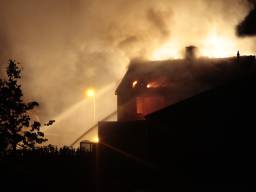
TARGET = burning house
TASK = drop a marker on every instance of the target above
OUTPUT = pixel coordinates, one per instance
(183, 125)
(149, 86)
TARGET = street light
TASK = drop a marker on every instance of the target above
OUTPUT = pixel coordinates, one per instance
(91, 93)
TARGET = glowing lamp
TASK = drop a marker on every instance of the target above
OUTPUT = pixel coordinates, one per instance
(90, 92)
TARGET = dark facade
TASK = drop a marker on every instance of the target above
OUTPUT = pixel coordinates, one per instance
(202, 143)
(150, 86)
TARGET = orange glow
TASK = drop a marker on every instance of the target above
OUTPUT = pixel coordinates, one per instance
(167, 51)
(90, 92)
(218, 46)
(213, 44)
(149, 104)
(153, 84)
(134, 83)
(96, 139)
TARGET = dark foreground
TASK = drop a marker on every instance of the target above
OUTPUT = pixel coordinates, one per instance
(229, 170)
(55, 171)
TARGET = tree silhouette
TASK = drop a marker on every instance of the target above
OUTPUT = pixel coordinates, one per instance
(17, 130)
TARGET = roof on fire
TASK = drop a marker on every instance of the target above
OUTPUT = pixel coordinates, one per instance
(209, 71)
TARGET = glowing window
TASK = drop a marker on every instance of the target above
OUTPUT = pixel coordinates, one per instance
(149, 104)
(134, 83)
(153, 84)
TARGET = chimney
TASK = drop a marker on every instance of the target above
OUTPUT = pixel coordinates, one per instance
(191, 52)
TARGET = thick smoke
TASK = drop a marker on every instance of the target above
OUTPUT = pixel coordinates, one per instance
(248, 26)
(68, 45)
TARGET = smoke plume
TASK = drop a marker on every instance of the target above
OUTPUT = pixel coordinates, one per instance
(65, 46)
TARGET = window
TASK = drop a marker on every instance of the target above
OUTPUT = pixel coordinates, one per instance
(148, 104)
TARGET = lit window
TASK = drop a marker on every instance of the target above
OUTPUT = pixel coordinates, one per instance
(134, 83)
(153, 84)
(148, 104)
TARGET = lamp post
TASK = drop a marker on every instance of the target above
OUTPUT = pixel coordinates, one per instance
(91, 93)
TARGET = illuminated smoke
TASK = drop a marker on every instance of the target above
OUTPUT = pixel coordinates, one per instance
(66, 46)
(209, 25)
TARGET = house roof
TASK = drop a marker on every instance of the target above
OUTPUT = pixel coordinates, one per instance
(236, 97)
(173, 74)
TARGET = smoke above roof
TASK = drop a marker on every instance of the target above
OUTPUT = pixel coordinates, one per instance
(65, 46)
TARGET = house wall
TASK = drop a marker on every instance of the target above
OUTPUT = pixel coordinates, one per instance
(202, 144)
